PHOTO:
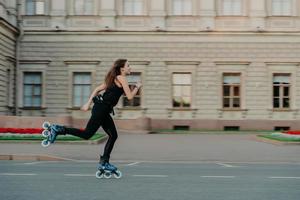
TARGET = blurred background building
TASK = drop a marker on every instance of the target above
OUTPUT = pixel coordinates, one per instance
(204, 64)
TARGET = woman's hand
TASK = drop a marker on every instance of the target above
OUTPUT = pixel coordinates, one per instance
(85, 107)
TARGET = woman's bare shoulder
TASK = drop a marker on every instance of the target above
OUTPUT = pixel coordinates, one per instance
(121, 78)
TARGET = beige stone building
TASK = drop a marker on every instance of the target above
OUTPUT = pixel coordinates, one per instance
(8, 38)
(204, 64)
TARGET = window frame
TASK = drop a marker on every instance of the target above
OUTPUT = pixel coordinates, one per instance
(281, 13)
(124, 13)
(138, 95)
(282, 68)
(82, 100)
(182, 12)
(33, 86)
(88, 66)
(10, 81)
(182, 85)
(232, 11)
(31, 66)
(243, 12)
(231, 96)
(281, 92)
(35, 8)
(84, 9)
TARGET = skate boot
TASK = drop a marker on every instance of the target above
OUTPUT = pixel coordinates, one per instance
(106, 170)
(51, 132)
(110, 167)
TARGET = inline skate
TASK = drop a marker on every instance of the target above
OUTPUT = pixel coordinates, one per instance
(106, 170)
(50, 132)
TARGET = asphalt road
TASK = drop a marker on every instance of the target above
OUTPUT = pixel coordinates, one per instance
(150, 180)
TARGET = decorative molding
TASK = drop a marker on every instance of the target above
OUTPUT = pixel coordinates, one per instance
(8, 25)
(182, 109)
(182, 62)
(11, 59)
(283, 110)
(135, 62)
(232, 63)
(35, 61)
(283, 63)
(233, 109)
(80, 62)
(157, 13)
(131, 108)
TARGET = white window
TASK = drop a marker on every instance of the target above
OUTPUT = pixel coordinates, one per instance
(232, 7)
(8, 86)
(281, 91)
(182, 7)
(182, 89)
(133, 7)
(282, 7)
(231, 90)
(32, 89)
(84, 7)
(133, 78)
(35, 7)
(81, 88)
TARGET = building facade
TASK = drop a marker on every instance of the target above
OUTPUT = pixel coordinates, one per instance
(204, 64)
(8, 38)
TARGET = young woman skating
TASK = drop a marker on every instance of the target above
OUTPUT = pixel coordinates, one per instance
(114, 86)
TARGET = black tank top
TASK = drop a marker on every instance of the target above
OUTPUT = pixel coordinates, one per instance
(112, 94)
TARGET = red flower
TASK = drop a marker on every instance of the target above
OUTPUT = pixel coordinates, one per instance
(21, 130)
(296, 132)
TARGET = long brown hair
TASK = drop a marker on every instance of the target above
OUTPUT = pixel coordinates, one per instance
(114, 72)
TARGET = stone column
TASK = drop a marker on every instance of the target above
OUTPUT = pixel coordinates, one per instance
(58, 8)
(258, 13)
(58, 13)
(108, 13)
(157, 13)
(207, 13)
(3, 12)
(8, 11)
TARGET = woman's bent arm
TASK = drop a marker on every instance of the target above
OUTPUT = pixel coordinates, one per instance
(98, 89)
(129, 94)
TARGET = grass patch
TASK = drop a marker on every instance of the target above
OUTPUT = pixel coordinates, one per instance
(280, 138)
(39, 137)
(202, 131)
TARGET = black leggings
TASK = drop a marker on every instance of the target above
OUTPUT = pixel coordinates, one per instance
(100, 117)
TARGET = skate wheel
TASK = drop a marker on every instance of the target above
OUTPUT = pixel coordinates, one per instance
(99, 174)
(45, 143)
(46, 125)
(107, 175)
(46, 133)
(118, 174)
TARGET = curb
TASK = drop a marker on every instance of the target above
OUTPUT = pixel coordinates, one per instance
(98, 141)
(31, 157)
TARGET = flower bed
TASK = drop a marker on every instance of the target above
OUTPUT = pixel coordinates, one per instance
(21, 134)
(292, 132)
(22, 130)
(39, 137)
(284, 136)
